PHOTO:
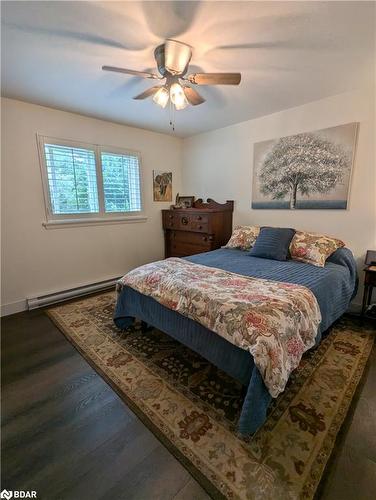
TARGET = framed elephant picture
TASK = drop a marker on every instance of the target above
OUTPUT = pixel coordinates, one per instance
(162, 185)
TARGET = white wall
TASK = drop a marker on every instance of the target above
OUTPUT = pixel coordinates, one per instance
(37, 261)
(219, 164)
(216, 164)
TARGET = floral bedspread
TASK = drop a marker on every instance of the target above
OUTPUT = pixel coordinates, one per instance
(276, 322)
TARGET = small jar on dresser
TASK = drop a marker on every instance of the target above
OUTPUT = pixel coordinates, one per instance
(204, 227)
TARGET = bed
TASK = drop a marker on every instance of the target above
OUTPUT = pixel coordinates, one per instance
(333, 285)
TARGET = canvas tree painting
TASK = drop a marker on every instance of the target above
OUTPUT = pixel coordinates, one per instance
(308, 170)
(162, 185)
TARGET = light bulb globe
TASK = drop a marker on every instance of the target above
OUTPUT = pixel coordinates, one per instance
(161, 97)
(177, 96)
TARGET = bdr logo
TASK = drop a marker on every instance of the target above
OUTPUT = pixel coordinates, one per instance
(18, 494)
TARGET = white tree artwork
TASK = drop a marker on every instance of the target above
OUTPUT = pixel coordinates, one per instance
(308, 170)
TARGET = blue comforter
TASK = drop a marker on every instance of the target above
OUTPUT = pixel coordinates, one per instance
(333, 286)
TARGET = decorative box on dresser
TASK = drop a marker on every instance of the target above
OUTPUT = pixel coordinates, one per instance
(204, 227)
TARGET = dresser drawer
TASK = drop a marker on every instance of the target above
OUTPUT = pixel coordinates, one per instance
(170, 220)
(199, 226)
(186, 222)
(190, 237)
(181, 249)
(200, 218)
(182, 243)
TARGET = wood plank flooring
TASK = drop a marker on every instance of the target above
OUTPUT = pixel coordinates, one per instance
(68, 436)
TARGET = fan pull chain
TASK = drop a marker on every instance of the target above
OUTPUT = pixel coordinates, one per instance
(172, 116)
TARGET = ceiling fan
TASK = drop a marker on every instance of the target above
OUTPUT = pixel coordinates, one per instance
(172, 58)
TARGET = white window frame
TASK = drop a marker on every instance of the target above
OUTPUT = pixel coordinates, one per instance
(83, 219)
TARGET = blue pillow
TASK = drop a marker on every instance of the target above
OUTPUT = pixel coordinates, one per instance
(273, 243)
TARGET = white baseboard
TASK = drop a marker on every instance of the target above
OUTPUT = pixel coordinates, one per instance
(72, 293)
(56, 297)
(13, 307)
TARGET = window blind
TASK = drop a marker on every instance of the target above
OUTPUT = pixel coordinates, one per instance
(72, 179)
(121, 182)
(89, 182)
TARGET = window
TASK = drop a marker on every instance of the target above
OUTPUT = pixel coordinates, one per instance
(89, 183)
(72, 179)
(121, 182)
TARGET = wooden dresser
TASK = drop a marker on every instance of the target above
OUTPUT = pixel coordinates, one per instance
(204, 227)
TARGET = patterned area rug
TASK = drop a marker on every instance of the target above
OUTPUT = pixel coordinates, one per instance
(193, 407)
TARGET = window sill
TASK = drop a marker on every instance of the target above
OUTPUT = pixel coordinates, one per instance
(61, 223)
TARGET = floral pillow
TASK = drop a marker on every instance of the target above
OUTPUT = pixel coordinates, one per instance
(313, 248)
(243, 237)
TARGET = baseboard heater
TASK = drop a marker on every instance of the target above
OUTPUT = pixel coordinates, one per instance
(53, 298)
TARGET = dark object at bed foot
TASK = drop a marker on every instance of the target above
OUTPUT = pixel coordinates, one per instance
(145, 326)
(369, 284)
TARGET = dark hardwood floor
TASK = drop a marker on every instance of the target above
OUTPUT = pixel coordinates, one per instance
(67, 435)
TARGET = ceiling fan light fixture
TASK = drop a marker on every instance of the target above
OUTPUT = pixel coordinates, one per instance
(173, 58)
(161, 97)
(178, 97)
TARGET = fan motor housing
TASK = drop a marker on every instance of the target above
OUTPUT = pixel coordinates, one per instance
(159, 55)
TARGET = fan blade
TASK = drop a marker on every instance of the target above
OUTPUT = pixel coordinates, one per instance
(215, 78)
(78, 36)
(148, 92)
(193, 96)
(177, 56)
(142, 74)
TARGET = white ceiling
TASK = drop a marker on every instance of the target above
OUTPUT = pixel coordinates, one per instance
(289, 53)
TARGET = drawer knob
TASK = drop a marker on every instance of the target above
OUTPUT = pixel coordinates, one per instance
(184, 221)
(171, 216)
(204, 238)
(200, 227)
(199, 217)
